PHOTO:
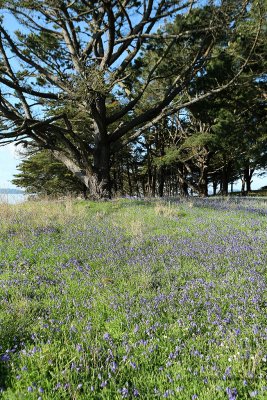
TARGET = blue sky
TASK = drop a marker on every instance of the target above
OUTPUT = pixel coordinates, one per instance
(8, 162)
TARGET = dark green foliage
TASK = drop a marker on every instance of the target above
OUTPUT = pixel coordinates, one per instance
(42, 174)
(85, 79)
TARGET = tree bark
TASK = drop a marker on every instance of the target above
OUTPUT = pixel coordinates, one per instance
(248, 172)
(224, 181)
(203, 182)
(96, 178)
(129, 179)
(99, 181)
(214, 186)
(161, 180)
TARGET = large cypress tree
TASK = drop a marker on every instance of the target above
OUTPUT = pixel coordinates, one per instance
(66, 73)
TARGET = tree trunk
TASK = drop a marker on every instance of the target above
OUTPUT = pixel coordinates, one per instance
(203, 183)
(248, 185)
(115, 182)
(243, 192)
(161, 179)
(248, 172)
(137, 181)
(129, 179)
(99, 181)
(120, 182)
(149, 184)
(203, 190)
(96, 178)
(182, 182)
(224, 181)
(183, 189)
(214, 187)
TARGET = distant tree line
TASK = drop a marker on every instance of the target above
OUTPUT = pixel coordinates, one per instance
(151, 98)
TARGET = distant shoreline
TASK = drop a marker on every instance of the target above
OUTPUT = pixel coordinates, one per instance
(11, 191)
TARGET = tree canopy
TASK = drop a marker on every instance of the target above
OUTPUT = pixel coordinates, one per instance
(41, 174)
(84, 79)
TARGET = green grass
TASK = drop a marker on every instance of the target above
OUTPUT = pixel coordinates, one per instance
(133, 299)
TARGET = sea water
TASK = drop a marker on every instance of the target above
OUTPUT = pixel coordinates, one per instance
(12, 198)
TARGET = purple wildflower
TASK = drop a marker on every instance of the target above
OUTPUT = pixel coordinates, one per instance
(5, 357)
(232, 393)
(254, 393)
(106, 336)
(124, 392)
(135, 392)
(168, 393)
(113, 366)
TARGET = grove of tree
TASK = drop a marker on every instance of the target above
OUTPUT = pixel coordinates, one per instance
(135, 97)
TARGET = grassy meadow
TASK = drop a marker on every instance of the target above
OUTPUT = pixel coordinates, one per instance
(133, 299)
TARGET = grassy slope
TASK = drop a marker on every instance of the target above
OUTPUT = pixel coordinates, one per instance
(132, 299)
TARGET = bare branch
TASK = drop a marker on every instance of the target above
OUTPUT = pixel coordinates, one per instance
(50, 77)
(132, 103)
(111, 36)
(19, 91)
(28, 90)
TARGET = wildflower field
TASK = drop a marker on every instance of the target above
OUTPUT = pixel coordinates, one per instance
(133, 299)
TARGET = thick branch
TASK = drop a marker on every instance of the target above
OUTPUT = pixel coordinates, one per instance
(73, 166)
(28, 90)
(132, 103)
(111, 36)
